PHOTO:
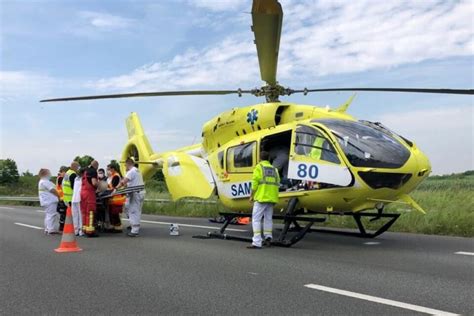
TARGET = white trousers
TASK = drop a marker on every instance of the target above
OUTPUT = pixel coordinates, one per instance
(51, 218)
(77, 217)
(135, 210)
(260, 210)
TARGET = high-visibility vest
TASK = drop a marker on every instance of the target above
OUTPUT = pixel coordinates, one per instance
(67, 188)
(116, 199)
(59, 188)
(316, 151)
(265, 183)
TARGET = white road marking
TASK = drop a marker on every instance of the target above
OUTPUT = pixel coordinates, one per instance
(380, 300)
(465, 253)
(6, 208)
(29, 226)
(372, 243)
(41, 211)
(188, 225)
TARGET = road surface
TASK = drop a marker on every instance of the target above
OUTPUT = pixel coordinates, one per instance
(395, 274)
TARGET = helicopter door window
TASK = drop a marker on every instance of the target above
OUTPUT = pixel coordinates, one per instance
(312, 143)
(241, 158)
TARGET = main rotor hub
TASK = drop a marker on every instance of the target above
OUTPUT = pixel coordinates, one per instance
(271, 92)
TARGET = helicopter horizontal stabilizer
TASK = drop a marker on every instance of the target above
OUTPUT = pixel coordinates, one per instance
(409, 200)
(187, 176)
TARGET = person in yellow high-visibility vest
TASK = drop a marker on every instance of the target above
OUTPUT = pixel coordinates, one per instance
(68, 190)
(265, 187)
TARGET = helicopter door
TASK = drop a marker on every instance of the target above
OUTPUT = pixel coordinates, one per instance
(313, 158)
(187, 176)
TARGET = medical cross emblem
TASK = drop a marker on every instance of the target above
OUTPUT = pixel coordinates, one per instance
(252, 116)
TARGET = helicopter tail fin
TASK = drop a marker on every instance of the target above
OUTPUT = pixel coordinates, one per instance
(138, 147)
(343, 107)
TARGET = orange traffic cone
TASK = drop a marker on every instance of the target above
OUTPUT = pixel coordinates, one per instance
(68, 240)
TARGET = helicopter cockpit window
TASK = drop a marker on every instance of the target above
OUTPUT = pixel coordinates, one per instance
(241, 158)
(312, 143)
(366, 146)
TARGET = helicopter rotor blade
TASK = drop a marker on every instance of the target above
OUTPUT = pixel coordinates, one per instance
(267, 17)
(150, 94)
(409, 90)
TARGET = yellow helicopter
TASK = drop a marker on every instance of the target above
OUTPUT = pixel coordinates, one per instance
(330, 162)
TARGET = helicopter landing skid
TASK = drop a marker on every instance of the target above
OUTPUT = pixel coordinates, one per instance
(363, 233)
(282, 240)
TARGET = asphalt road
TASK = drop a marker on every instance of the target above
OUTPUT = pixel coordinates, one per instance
(395, 274)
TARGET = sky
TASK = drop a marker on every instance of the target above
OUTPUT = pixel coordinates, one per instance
(66, 48)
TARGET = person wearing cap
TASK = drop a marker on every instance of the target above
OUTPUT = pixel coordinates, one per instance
(264, 195)
(49, 198)
(135, 200)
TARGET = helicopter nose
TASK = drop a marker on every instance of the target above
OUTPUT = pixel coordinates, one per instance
(424, 165)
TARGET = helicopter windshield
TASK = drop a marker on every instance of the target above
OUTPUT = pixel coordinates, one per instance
(365, 146)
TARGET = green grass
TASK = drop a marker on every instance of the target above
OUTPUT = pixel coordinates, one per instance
(448, 201)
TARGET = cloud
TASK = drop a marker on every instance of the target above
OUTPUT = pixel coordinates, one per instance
(105, 21)
(444, 134)
(220, 5)
(15, 85)
(223, 65)
(320, 39)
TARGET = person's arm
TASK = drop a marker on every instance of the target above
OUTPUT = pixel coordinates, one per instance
(93, 176)
(115, 182)
(124, 182)
(71, 180)
(256, 177)
(51, 188)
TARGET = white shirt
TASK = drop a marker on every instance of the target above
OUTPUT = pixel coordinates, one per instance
(45, 196)
(76, 194)
(134, 177)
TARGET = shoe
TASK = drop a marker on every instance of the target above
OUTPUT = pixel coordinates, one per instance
(130, 234)
(253, 247)
(267, 242)
(129, 227)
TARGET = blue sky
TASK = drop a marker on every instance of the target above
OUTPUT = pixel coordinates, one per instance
(67, 48)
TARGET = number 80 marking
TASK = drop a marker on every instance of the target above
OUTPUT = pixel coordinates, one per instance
(305, 171)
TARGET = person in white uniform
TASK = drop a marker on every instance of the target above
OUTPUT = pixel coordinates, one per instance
(49, 198)
(135, 200)
(76, 204)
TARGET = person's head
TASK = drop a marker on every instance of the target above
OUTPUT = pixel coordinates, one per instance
(62, 171)
(264, 155)
(44, 173)
(81, 171)
(129, 164)
(95, 164)
(101, 174)
(75, 166)
(111, 170)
